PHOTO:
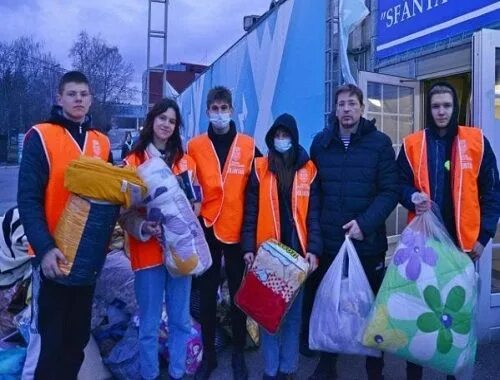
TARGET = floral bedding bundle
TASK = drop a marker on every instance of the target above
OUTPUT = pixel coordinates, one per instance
(186, 251)
(424, 310)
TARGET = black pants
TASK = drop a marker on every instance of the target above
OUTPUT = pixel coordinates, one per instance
(63, 322)
(374, 269)
(208, 284)
(415, 372)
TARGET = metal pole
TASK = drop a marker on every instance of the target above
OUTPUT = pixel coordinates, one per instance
(339, 66)
(148, 72)
(165, 50)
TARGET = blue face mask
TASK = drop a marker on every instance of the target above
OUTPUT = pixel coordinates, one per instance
(220, 120)
(282, 145)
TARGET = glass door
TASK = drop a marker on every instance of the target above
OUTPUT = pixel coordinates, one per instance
(486, 115)
(394, 103)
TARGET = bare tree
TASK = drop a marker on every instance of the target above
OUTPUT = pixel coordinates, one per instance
(28, 83)
(109, 75)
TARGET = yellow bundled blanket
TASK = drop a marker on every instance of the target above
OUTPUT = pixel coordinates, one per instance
(96, 179)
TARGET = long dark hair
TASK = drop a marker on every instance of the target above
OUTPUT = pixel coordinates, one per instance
(174, 143)
(283, 164)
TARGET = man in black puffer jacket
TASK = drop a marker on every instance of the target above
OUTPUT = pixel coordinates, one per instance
(359, 188)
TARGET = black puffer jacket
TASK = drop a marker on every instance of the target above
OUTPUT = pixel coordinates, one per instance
(288, 231)
(360, 182)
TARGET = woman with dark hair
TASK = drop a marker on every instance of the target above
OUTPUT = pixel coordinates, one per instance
(127, 145)
(160, 137)
(282, 202)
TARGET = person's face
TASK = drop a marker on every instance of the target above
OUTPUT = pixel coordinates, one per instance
(442, 109)
(349, 110)
(282, 134)
(129, 137)
(75, 101)
(164, 125)
(219, 106)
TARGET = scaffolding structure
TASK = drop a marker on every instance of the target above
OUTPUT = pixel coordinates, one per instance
(153, 34)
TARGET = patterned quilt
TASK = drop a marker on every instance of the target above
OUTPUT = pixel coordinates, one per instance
(271, 284)
(424, 311)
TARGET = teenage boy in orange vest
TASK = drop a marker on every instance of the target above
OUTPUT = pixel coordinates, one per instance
(223, 159)
(61, 308)
(456, 167)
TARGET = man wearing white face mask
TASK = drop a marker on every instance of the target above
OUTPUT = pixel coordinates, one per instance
(224, 160)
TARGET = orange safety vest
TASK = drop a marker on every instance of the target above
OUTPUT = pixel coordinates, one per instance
(60, 149)
(466, 158)
(223, 192)
(148, 254)
(268, 221)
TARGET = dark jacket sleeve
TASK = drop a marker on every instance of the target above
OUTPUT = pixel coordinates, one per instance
(257, 152)
(388, 191)
(33, 178)
(406, 181)
(124, 151)
(249, 227)
(313, 148)
(489, 194)
(314, 241)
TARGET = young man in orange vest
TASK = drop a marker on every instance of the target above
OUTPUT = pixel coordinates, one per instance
(223, 159)
(61, 309)
(456, 167)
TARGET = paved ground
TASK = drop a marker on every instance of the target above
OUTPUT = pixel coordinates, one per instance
(8, 186)
(349, 367)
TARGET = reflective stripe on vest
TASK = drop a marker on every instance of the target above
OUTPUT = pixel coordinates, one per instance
(466, 158)
(223, 192)
(148, 254)
(60, 149)
(268, 221)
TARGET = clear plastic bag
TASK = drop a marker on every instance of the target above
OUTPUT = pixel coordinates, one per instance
(424, 310)
(341, 306)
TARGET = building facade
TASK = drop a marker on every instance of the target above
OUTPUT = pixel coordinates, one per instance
(400, 50)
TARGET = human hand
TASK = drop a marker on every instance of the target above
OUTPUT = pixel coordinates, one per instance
(353, 230)
(249, 257)
(312, 259)
(151, 228)
(422, 206)
(54, 264)
(477, 251)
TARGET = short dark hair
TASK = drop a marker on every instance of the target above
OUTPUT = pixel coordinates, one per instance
(351, 89)
(72, 76)
(441, 88)
(219, 93)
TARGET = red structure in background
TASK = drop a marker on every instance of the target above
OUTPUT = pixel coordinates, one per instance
(179, 75)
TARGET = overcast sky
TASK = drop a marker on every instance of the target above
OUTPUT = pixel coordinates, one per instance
(199, 30)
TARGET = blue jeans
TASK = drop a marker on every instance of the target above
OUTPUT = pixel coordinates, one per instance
(150, 286)
(281, 351)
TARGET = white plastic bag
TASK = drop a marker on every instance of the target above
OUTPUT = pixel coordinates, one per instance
(341, 306)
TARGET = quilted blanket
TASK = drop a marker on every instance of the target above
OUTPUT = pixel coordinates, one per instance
(424, 311)
(186, 251)
(271, 284)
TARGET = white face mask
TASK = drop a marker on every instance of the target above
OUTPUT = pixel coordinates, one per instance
(220, 120)
(282, 145)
